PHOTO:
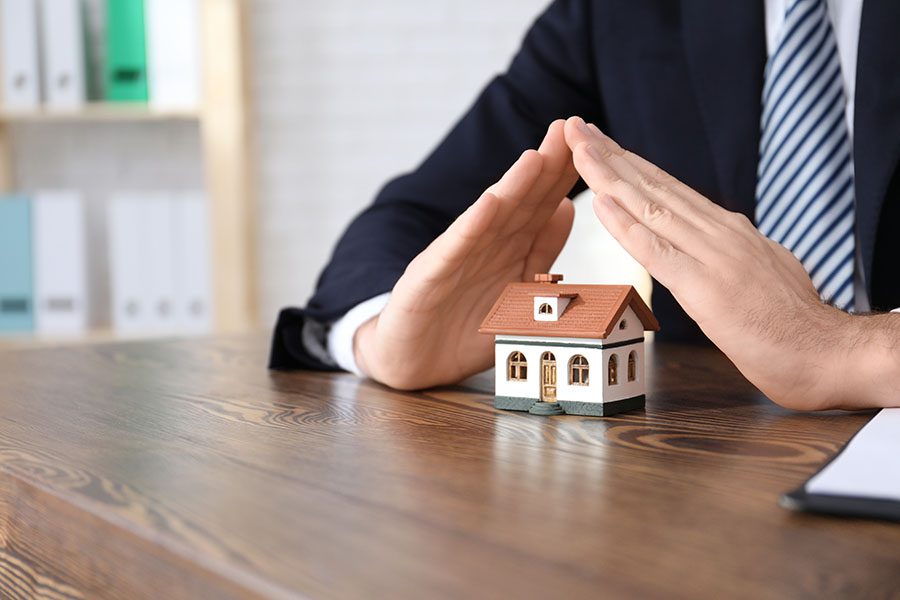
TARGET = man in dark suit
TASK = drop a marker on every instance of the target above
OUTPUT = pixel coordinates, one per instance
(749, 105)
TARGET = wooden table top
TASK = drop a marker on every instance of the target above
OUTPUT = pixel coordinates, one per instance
(174, 469)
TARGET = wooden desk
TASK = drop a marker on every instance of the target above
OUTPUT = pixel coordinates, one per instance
(186, 469)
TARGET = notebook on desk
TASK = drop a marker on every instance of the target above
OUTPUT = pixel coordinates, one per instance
(863, 480)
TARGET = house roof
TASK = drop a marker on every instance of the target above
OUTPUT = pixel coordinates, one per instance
(592, 312)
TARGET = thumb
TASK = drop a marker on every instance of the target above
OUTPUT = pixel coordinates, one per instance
(550, 240)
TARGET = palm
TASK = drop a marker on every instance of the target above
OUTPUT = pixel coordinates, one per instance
(428, 333)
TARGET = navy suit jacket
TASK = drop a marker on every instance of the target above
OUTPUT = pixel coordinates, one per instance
(676, 82)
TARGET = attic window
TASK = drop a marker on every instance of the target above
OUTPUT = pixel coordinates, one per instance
(545, 309)
(623, 324)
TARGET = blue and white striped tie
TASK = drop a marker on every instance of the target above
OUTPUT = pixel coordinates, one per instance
(804, 190)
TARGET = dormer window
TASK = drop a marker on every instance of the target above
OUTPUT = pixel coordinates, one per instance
(550, 308)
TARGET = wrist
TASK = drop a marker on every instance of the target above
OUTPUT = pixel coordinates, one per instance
(864, 371)
(874, 373)
(363, 340)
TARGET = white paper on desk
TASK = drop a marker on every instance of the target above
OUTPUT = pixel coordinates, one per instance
(869, 467)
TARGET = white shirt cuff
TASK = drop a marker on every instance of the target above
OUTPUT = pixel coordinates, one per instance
(340, 337)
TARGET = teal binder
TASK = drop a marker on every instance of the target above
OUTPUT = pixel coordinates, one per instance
(126, 54)
(16, 290)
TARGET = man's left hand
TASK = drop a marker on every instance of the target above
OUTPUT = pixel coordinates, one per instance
(750, 295)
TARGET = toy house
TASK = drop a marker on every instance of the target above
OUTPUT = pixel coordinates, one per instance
(574, 349)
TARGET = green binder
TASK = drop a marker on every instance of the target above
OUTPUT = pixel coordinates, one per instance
(126, 56)
(16, 305)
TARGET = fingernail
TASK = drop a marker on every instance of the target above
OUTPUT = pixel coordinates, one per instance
(582, 126)
(606, 139)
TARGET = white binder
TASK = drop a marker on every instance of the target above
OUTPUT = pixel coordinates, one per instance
(19, 34)
(62, 39)
(193, 309)
(130, 312)
(159, 262)
(60, 267)
(173, 53)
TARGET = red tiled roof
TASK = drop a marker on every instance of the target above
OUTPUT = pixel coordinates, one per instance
(592, 313)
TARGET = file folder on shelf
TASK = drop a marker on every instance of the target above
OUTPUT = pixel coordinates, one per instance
(126, 248)
(16, 306)
(62, 44)
(19, 48)
(173, 53)
(126, 59)
(193, 304)
(159, 262)
(60, 273)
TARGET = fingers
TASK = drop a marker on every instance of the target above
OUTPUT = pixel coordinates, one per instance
(604, 179)
(653, 181)
(518, 181)
(557, 176)
(448, 251)
(550, 240)
(668, 265)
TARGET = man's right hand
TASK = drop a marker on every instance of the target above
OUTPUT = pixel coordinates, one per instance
(427, 334)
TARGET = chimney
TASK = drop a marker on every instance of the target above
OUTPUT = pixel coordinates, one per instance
(547, 278)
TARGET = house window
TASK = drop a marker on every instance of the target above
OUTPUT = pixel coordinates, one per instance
(623, 324)
(613, 377)
(578, 370)
(545, 309)
(632, 366)
(516, 367)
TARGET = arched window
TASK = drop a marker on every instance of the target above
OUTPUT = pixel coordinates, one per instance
(545, 309)
(578, 370)
(632, 366)
(613, 377)
(623, 324)
(516, 367)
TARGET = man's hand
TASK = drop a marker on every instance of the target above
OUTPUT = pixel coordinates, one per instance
(750, 296)
(428, 332)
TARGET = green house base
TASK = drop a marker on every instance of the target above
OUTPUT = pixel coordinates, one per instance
(584, 409)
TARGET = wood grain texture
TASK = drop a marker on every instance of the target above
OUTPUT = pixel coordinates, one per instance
(184, 469)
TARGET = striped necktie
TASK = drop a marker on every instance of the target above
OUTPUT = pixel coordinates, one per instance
(804, 190)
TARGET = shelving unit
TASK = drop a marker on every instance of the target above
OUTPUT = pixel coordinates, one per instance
(225, 142)
(99, 112)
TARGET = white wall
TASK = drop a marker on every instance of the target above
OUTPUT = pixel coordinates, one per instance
(349, 94)
(346, 95)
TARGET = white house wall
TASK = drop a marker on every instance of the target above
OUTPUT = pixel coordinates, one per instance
(598, 389)
(634, 329)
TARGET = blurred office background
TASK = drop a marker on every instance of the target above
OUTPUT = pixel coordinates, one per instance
(212, 195)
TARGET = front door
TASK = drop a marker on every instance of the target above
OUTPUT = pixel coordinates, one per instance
(548, 377)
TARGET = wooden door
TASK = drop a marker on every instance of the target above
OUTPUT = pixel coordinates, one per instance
(548, 377)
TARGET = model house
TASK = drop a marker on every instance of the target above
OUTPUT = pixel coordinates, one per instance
(574, 349)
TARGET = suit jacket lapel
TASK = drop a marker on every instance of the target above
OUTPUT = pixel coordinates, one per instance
(726, 53)
(876, 130)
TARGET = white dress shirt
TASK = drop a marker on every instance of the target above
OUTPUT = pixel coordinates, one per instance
(845, 18)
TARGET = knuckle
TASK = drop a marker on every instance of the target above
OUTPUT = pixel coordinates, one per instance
(741, 221)
(656, 214)
(661, 175)
(649, 183)
(611, 177)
